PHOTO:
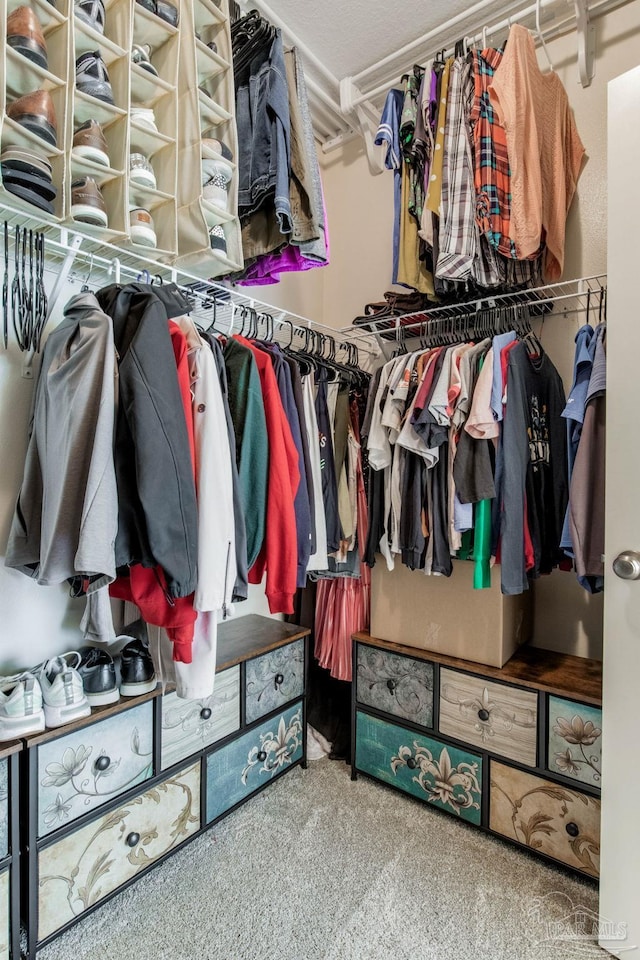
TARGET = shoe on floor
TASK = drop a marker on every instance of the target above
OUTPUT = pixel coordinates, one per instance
(137, 673)
(62, 691)
(92, 77)
(35, 112)
(141, 227)
(98, 673)
(89, 143)
(21, 710)
(87, 202)
(24, 34)
(141, 171)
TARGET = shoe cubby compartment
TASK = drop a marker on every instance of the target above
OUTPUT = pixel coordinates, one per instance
(15, 135)
(212, 112)
(48, 14)
(115, 134)
(206, 13)
(23, 75)
(164, 225)
(57, 162)
(115, 41)
(152, 27)
(166, 120)
(118, 70)
(164, 167)
(114, 196)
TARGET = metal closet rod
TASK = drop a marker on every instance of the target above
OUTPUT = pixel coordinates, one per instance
(113, 268)
(536, 297)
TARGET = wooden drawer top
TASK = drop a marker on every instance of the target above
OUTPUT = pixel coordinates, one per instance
(559, 673)
(8, 747)
(97, 713)
(244, 638)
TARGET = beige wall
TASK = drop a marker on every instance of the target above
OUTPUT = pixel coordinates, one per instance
(360, 211)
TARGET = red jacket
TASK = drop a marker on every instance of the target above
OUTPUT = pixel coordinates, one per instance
(279, 552)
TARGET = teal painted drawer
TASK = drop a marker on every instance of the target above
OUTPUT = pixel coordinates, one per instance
(79, 772)
(238, 769)
(87, 865)
(398, 685)
(191, 725)
(4, 807)
(274, 679)
(449, 778)
(5, 915)
(575, 740)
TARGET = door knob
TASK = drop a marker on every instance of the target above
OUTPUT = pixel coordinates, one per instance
(627, 565)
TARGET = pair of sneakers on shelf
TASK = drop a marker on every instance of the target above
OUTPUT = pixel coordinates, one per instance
(65, 688)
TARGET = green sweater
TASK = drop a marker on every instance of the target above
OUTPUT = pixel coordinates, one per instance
(252, 445)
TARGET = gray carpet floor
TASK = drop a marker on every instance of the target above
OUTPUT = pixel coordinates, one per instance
(320, 868)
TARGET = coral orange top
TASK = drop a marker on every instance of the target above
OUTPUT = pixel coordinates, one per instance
(545, 150)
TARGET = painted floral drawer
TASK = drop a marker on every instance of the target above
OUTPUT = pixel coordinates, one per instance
(274, 679)
(84, 867)
(575, 740)
(398, 685)
(191, 725)
(449, 778)
(4, 807)
(238, 769)
(5, 917)
(548, 817)
(80, 772)
(493, 716)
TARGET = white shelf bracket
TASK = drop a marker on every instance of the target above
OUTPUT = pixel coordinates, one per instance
(366, 117)
(586, 43)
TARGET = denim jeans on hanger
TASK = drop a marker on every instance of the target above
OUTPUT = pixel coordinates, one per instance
(262, 116)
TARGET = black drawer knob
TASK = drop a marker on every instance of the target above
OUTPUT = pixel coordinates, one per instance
(133, 839)
(572, 829)
(102, 762)
(278, 680)
(205, 713)
(411, 763)
(483, 715)
(391, 685)
(262, 756)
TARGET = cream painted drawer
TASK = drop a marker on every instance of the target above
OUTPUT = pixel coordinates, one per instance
(86, 866)
(548, 817)
(274, 679)
(81, 771)
(5, 917)
(496, 717)
(189, 726)
(575, 740)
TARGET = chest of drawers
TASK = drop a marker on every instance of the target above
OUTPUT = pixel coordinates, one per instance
(9, 852)
(111, 796)
(515, 751)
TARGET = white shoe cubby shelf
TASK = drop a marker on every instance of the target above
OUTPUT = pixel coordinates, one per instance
(20, 76)
(164, 113)
(210, 120)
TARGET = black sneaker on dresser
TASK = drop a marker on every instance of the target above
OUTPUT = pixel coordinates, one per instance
(98, 673)
(137, 672)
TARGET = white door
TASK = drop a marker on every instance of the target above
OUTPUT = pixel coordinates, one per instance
(620, 838)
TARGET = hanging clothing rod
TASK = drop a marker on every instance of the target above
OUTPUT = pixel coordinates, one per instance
(553, 294)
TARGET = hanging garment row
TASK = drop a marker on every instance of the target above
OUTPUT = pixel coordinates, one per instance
(470, 455)
(169, 467)
(280, 199)
(486, 158)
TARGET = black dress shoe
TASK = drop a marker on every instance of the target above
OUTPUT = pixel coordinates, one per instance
(98, 673)
(137, 673)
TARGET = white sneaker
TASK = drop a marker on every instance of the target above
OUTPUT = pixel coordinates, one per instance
(62, 690)
(21, 710)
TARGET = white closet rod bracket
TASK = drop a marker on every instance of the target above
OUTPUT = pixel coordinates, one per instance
(586, 42)
(367, 117)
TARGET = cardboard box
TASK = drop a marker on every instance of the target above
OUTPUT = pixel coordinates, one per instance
(446, 615)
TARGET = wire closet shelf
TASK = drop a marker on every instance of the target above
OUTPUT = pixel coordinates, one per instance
(565, 298)
(77, 257)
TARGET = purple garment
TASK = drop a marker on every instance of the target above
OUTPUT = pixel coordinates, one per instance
(266, 269)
